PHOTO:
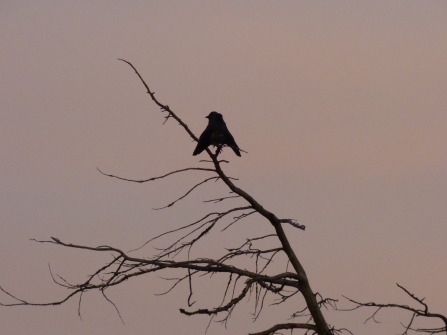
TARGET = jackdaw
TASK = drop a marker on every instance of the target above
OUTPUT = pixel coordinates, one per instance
(217, 134)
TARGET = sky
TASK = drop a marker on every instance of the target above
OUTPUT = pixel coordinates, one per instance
(341, 107)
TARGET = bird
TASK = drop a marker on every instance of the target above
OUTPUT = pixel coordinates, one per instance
(217, 134)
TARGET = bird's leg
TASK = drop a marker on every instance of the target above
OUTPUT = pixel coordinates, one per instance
(219, 149)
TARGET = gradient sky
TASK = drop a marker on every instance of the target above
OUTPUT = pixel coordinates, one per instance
(342, 107)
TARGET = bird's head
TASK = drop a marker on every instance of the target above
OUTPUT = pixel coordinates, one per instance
(214, 116)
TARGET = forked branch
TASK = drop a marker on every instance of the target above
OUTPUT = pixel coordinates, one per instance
(416, 312)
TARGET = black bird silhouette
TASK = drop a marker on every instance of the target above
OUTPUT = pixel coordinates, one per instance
(217, 134)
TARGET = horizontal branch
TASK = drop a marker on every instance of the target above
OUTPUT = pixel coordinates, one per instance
(249, 252)
(128, 267)
(277, 327)
(217, 310)
(222, 199)
(416, 312)
(293, 223)
(155, 178)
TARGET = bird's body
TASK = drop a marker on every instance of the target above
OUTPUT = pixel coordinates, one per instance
(217, 134)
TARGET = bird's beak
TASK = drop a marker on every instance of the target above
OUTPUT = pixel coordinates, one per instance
(207, 117)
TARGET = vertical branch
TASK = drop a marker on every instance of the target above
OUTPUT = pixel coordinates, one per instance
(304, 286)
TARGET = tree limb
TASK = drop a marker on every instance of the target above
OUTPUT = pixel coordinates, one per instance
(277, 327)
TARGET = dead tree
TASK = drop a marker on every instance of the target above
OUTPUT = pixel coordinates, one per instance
(419, 312)
(176, 255)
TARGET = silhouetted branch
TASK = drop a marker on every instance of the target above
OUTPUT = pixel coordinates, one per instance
(178, 281)
(275, 328)
(155, 178)
(416, 312)
(178, 229)
(110, 301)
(222, 199)
(226, 308)
(186, 194)
(237, 218)
(293, 223)
(171, 249)
(140, 266)
(164, 108)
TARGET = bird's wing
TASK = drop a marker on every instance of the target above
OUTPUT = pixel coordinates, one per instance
(204, 141)
(229, 140)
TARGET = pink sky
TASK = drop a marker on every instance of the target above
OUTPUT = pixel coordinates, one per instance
(342, 107)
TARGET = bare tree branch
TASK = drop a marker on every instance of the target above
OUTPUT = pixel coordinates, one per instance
(277, 327)
(217, 310)
(222, 199)
(416, 312)
(155, 178)
(186, 194)
(164, 108)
